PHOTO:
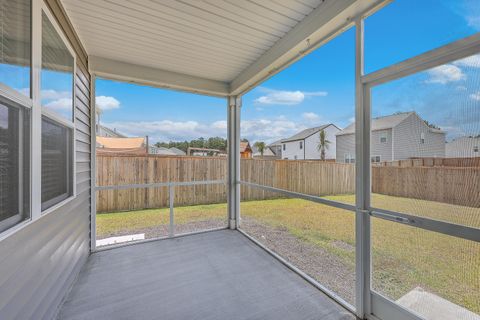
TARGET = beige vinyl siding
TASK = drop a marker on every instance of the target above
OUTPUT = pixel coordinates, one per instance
(40, 261)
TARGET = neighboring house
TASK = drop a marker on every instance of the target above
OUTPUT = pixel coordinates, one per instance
(177, 151)
(395, 137)
(276, 148)
(245, 150)
(160, 151)
(267, 153)
(463, 147)
(304, 145)
(103, 131)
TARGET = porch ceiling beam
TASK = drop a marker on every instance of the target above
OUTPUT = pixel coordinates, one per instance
(328, 19)
(128, 72)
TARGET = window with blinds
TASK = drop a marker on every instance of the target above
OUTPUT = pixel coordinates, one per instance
(56, 163)
(15, 44)
(14, 164)
(57, 116)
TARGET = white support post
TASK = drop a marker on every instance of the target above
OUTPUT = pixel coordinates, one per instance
(93, 166)
(362, 181)
(234, 104)
(36, 116)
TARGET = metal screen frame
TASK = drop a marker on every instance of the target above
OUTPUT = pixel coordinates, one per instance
(375, 305)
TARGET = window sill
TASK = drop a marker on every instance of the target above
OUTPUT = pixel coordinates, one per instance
(19, 226)
(25, 223)
(57, 206)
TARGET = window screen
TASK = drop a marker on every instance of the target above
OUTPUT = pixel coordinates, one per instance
(56, 163)
(15, 44)
(14, 165)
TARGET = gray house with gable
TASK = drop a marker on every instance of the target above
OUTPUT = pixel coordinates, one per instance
(394, 137)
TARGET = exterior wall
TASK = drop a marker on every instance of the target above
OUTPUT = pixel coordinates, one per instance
(382, 149)
(309, 150)
(403, 142)
(464, 147)
(40, 261)
(345, 144)
(407, 144)
(311, 144)
(292, 150)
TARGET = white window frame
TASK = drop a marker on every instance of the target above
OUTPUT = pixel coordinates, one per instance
(422, 138)
(70, 125)
(383, 136)
(17, 100)
(33, 103)
(20, 100)
(375, 157)
(475, 149)
(301, 145)
(348, 157)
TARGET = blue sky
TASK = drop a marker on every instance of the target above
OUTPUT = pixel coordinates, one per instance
(320, 88)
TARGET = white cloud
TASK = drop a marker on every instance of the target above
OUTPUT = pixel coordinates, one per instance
(310, 116)
(282, 97)
(48, 94)
(51, 94)
(474, 22)
(107, 103)
(445, 74)
(269, 130)
(475, 96)
(472, 61)
(60, 104)
(166, 130)
(266, 130)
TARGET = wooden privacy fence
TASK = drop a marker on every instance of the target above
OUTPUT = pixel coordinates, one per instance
(433, 162)
(122, 170)
(311, 177)
(316, 178)
(455, 185)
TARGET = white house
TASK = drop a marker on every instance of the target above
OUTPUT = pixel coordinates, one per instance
(267, 153)
(463, 147)
(304, 145)
(394, 137)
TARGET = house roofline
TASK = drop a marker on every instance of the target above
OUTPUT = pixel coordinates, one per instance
(326, 126)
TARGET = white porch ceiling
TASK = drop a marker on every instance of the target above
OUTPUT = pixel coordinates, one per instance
(210, 46)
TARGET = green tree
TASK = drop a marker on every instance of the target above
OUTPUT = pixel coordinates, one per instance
(217, 143)
(260, 145)
(323, 144)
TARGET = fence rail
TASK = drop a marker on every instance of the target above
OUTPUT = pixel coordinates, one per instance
(140, 182)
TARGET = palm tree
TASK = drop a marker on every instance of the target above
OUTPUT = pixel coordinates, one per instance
(260, 145)
(322, 144)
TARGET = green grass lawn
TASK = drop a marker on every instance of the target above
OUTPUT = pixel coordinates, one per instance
(403, 257)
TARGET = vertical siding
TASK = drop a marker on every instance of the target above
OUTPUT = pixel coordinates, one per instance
(40, 262)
